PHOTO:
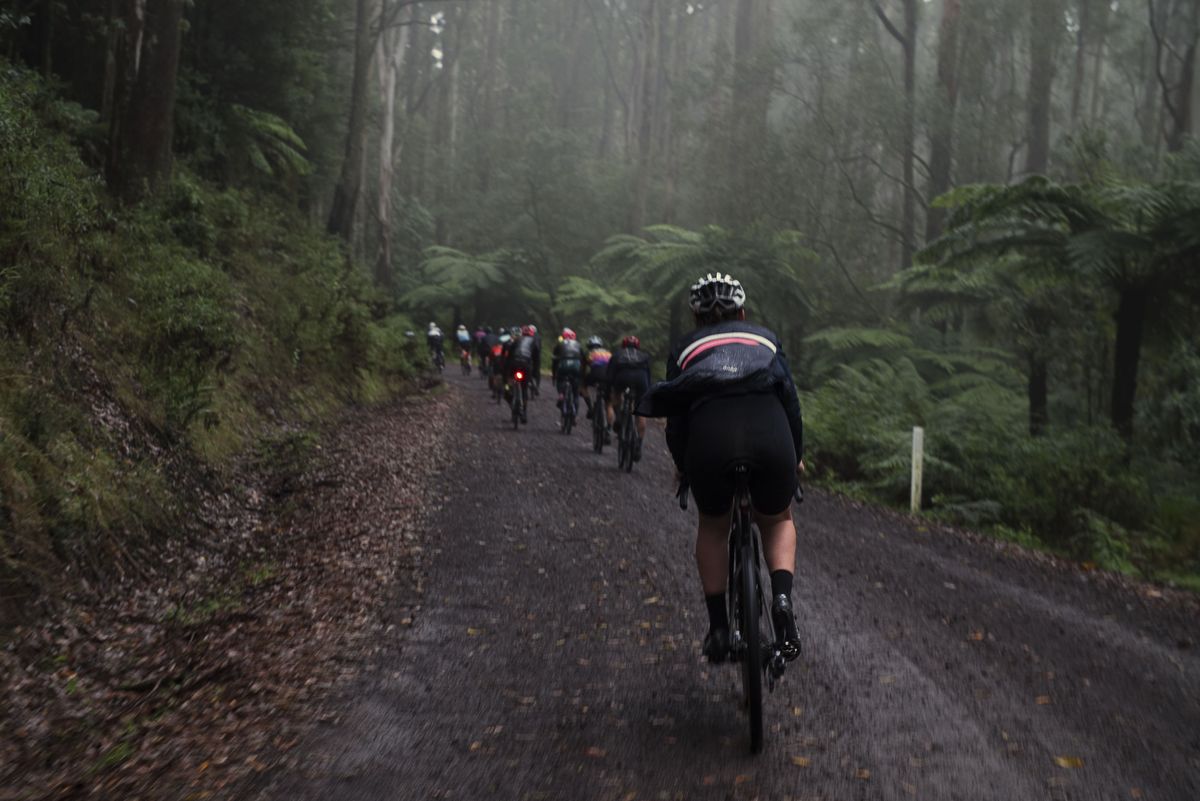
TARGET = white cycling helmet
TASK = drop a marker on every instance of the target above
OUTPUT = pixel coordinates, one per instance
(716, 291)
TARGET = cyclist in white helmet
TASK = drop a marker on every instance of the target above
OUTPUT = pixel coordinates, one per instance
(729, 398)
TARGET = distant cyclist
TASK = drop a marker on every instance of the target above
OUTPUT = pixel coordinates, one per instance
(566, 366)
(729, 399)
(519, 356)
(435, 340)
(595, 373)
(629, 368)
(537, 360)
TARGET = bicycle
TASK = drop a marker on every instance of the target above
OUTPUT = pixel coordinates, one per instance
(626, 432)
(753, 643)
(464, 359)
(439, 358)
(569, 409)
(520, 398)
(599, 421)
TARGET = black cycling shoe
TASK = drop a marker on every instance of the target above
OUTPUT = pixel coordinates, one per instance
(785, 625)
(637, 449)
(716, 645)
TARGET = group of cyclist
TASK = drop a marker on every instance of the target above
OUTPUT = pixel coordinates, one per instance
(729, 399)
(601, 377)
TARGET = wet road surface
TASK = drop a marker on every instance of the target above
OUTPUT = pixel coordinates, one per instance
(555, 655)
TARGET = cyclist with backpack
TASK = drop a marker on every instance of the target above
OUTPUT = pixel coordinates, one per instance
(566, 366)
(629, 368)
(519, 357)
(595, 371)
(729, 399)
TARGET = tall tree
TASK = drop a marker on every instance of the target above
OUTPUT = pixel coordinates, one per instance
(941, 144)
(143, 125)
(753, 80)
(393, 40)
(1175, 65)
(908, 153)
(1045, 29)
(348, 192)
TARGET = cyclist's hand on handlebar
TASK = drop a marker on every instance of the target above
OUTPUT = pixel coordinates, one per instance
(801, 469)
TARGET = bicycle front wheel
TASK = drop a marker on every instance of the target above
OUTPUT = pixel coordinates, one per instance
(752, 668)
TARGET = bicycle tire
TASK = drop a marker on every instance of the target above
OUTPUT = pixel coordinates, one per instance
(752, 668)
(516, 406)
(598, 427)
(630, 435)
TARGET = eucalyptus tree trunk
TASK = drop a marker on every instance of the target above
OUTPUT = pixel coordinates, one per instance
(1046, 25)
(348, 192)
(1175, 64)
(908, 43)
(647, 106)
(1098, 62)
(487, 112)
(753, 76)
(143, 127)
(390, 58)
(446, 120)
(1081, 41)
(941, 156)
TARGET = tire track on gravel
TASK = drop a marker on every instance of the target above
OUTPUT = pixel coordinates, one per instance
(556, 656)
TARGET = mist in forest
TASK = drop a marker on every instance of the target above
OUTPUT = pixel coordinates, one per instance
(975, 216)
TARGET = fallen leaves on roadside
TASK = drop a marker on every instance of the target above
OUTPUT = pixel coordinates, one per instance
(863, 774)
(1068, 762)
(742, 778)
(1043, 700)
(596, 752)
(975, 636)
(801, 762)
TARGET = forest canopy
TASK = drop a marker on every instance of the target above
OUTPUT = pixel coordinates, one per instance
(977, 216)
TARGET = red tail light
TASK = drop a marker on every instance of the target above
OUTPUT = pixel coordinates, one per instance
(520, 376)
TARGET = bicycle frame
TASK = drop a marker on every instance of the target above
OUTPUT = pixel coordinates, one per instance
(746, 542)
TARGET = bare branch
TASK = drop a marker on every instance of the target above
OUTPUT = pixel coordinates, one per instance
(887, 23)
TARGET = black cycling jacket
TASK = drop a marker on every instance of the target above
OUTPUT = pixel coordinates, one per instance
(729, 358)
(628, 360)
(568, 354)
(523, 350)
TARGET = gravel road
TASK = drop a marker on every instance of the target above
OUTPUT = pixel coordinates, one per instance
(556, 655)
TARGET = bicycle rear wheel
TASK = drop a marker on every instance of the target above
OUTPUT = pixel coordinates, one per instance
(749, 610)
(629, 436)
(598, 427)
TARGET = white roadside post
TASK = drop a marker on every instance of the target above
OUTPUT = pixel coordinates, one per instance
(918, 463)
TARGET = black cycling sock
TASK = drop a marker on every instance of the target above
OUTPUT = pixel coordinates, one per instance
(781, 582)
(718, 615)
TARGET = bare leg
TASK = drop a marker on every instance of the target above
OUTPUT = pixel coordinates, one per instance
(779, 540)
(712, 553)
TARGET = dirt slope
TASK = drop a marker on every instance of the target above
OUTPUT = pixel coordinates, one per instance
(556, 656)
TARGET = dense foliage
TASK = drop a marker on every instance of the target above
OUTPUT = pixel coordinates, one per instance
(184, 324)
(978, 216)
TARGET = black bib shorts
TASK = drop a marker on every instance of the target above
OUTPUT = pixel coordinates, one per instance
(741, 429)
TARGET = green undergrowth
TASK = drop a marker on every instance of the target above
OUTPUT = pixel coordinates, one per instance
(1075, 492)
(134, 343)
